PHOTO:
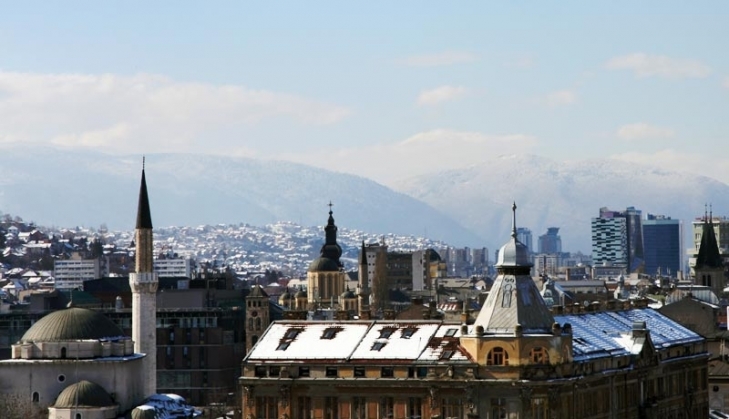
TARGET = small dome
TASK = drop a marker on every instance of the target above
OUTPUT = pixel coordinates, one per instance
(301, 293)
(323, 264)
(72, 324)
(348, 294)
(286, 296)
(83, 394)
(144, 412)
(513, 253)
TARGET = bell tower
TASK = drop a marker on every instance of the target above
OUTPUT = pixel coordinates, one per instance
(143, 282)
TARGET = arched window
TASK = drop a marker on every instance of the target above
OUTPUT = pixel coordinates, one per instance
(36, 397)
(539, 355)
(258, 323)
(497, 356)
(250, 324)
(78, 416)
(63, 352)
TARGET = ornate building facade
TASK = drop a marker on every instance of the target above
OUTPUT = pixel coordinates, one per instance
(519, 359)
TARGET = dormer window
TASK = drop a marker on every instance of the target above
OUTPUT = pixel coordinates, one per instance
(451, 332)
(330, 332)
(407, 333)
(497, 356)
(447, 354)
(283, 346)
(378, 346)
(292, 333)
(385, 333)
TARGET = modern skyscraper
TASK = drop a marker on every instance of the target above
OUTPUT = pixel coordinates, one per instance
(550, 242)
(524, 235)
(617, 239)
(143, 282)
(663, 245)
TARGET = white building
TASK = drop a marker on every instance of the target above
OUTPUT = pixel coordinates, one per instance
(177, 267)
(71, 273)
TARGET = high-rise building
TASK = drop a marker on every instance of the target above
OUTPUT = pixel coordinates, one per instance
(617, 239)
(524, 235)
(550, 242)
(663, 245)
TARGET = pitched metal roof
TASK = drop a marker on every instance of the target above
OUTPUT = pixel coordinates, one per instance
(708, 256)
(73, 323)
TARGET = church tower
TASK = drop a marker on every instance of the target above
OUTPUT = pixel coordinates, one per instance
(709, 269)
(326, 277)
(257, 315)
(143, 282)
(363, 294)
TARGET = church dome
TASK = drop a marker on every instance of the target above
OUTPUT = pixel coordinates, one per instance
(323, 264)
(286, 296)
(300, 293)
(84, 394)
(73, 323)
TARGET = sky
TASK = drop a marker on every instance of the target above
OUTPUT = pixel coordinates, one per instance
(381, 89)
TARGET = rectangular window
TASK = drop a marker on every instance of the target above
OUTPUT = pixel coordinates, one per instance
(331, 372)
(387, 372)
(266, 407)
(303, 371)
(331, 408)
(260, 371)
(303, 408)
(359, 408)
(387, 407)
(359, 371)
(274, 371)
(452, 408)
(415, 408)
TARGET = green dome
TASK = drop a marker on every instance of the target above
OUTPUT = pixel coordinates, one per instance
(73, 323)
(83, 394)
(348, 294)
(323, 264)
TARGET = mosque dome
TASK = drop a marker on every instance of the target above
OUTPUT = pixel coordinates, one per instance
(73, 323)
(286, 296)
(323, 264)
(300, 293)
(83, 394)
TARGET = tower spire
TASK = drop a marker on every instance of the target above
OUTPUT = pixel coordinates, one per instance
(513, 220)
(144, 217)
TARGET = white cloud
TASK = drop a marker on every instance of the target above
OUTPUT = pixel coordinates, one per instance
(143, 112)
(441, 59)
(641, 131)
(421, 153)
(440, 94)
(645, 65)
(561, 98)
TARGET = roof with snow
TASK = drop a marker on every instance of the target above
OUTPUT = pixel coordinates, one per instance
(360, 342)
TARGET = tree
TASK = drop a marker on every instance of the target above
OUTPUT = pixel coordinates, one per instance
(14, 406)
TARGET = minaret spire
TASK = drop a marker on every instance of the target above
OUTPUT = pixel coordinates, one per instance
(144, 283)
(513, 220)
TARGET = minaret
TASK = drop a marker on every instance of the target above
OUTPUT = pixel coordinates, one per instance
(364, 285)
(143, 282)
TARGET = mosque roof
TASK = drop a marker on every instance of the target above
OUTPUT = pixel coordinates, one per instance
(73, 323)
(84, 393)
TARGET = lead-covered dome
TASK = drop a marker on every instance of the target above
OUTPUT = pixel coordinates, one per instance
(73, 323)
(514, 253)
(83, 394)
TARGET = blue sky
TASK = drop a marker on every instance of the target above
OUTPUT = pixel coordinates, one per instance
(385, 90)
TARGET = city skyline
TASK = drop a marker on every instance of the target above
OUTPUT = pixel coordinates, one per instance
(415, 89)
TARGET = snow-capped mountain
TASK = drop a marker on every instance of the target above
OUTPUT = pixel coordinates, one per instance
(69, 188)
(562, 194)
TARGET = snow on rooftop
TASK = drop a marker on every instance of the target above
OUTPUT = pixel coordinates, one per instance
(398, 340)
(292, 340)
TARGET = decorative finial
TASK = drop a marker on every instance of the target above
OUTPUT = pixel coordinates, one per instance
(330, 207)
(143, 158)
(711, 213)
(706, 214)
(513, 220)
